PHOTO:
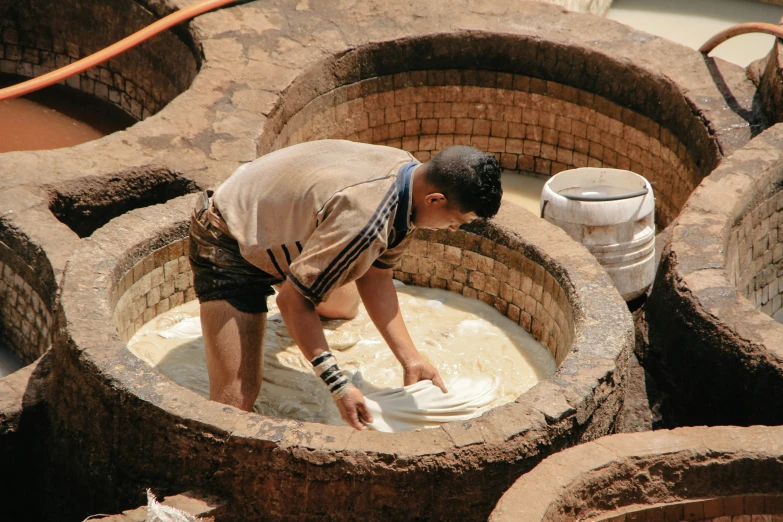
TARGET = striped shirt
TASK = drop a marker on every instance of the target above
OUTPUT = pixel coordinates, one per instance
(320, 213)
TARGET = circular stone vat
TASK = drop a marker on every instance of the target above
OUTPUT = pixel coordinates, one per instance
(718, 474)
(128, 427)
(712, 338)
(39, 36)
(539, 106)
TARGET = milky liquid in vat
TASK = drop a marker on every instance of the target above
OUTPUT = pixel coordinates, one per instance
(462, 337)
(55, 117)
(9, 362)
(693, 22)
(523, 189)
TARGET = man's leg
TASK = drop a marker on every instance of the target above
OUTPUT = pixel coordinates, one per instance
(342, 304)
(233, 344)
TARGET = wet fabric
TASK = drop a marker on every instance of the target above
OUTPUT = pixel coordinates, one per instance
(424, 405)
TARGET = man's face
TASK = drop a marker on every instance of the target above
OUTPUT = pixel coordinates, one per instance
(437, 214)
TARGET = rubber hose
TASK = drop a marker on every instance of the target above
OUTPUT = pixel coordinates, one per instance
(103, 55)
(736, 30)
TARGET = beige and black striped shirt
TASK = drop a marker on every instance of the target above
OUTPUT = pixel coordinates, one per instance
(320, 213)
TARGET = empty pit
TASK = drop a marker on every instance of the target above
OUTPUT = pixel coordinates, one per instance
(89, 203)
(137, 268)
(721, 351)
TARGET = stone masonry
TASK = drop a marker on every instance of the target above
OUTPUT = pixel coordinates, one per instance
(721, 354)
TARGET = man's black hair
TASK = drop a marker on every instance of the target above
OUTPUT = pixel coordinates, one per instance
(469, 178)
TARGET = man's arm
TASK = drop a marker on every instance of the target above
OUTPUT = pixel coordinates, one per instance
(379, 296)
(305, 328)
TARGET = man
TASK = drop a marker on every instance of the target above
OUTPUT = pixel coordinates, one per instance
(325, 221)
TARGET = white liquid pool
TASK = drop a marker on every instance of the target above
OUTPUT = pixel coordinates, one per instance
(523, 188)
(462, 337)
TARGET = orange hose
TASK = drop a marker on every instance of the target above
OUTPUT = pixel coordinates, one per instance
(113, 50)
(736, 30)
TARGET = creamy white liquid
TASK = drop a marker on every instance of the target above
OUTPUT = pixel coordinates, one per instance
(693, 22)
(462, 337)
(523, 188)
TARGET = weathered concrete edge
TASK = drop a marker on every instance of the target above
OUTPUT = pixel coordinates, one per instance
(562, 482)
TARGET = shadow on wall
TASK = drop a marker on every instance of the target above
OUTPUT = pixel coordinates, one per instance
(91, 203)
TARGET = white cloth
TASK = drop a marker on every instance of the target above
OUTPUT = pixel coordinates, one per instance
(189, 328)
(424, 405)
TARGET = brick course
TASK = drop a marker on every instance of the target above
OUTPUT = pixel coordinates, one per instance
(754, 261)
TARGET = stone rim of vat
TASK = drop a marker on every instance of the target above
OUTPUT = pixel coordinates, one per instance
(88, 285)
(724, 470)
(582, 398)
(715, 324)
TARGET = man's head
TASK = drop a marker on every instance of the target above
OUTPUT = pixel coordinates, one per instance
(455, 187)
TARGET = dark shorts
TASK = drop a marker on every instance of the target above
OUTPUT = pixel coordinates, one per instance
(219, 270)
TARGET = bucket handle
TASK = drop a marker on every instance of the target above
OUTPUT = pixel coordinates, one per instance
(606, 197)
(628, 195)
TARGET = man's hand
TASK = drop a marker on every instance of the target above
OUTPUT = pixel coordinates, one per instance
(352, 408)
(421, 369)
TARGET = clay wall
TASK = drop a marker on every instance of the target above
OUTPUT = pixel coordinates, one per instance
(37, 37)
(755, 255)
(514, 285)
(153, 286)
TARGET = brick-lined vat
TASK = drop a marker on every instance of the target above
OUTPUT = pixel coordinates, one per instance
(720, 352)
(140, 429)
(723, 474)
(536, 110)
(37, 37)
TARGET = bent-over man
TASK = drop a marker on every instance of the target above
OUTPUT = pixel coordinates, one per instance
(325, 221)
